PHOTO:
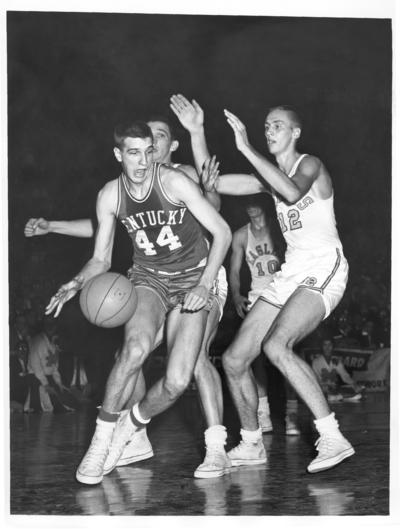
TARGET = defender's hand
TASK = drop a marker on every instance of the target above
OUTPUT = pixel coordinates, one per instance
(241, 139)
(190, 114)
(241, 304)
(209, 174)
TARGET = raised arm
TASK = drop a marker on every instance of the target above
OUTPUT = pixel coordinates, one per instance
(182, 189)
(191, 117)
(238, 248)
(292, 189)
(74, 228)
(101, 259)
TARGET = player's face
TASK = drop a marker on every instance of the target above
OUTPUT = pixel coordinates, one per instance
(163, 143)
(253, 210)
(136, 156)
(280, 131)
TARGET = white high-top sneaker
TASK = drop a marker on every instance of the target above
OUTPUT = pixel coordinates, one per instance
(248, 453)
(215, 464)
(90, 470)
(332, 449)
(123, 434)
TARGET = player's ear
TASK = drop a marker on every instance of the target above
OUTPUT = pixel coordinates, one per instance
(117, 154)
(296, 132)
(174, 145)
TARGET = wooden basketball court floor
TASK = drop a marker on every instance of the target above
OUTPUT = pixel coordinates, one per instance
(46, 448)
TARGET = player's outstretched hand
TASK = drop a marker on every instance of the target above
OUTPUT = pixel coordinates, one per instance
(241, 303)
(209, 174)
(190, 114)
(239, 129)
(36, 226)
(63, 294)
(196, 299)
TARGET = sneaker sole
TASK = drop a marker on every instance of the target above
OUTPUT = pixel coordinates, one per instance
(329, 463)
(212, 473)
(135, 459)
(88, 480)
(247, 462)
(292, 432)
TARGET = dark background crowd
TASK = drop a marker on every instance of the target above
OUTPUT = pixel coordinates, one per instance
(73, 76)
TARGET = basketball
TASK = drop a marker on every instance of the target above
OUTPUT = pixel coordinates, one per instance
(108, 300)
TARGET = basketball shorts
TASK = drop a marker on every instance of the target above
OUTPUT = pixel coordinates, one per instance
(324, 273)
(170, 288)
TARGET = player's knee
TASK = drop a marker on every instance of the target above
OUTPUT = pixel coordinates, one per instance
(278, 348)
(233, 364)
(176, 383)
(133, 353)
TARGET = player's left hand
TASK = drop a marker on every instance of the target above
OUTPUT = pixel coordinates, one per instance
(196, 299)
(190, 114)
(239, 129)
(209, 174)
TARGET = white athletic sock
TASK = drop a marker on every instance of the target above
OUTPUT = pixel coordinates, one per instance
(135, 411)
(215, 435)
(263, 404)
(251, 436)
(105, 427)
(328, 424)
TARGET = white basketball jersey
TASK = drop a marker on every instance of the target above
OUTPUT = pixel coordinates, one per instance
(310, 224)
(261, 260)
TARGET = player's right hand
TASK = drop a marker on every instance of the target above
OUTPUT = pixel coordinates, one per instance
(63, 294)
(190, 114)
(209, 174)
(36, 226)
(241, 304)
(239, 130)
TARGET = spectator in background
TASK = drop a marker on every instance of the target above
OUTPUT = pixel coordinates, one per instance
(329, 369)
(43, 363)
(24, 396)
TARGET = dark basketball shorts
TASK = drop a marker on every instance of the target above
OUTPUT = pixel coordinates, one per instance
(170, 288)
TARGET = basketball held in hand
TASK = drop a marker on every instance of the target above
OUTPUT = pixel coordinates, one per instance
(108, 300)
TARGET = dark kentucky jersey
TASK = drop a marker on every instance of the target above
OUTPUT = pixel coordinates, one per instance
(164, 233)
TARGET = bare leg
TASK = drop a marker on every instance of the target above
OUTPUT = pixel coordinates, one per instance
(185, 332)
(140, 335)
(207, 377)
(238, 358)
(301, 314)
(131, 396)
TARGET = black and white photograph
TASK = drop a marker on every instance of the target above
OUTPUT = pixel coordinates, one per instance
(199, 255)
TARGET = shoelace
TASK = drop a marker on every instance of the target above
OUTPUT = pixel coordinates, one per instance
(324, 444)
(96, 452)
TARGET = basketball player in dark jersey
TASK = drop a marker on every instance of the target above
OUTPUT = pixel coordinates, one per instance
(206, 376)
(173, 272)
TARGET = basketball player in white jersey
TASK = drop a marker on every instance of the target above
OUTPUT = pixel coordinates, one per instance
(254, 243)
(206, 376)
(303, 293)
(173, 272)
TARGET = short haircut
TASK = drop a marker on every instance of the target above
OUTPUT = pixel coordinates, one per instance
(294, 116)
(164, 119)
(133, 129)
